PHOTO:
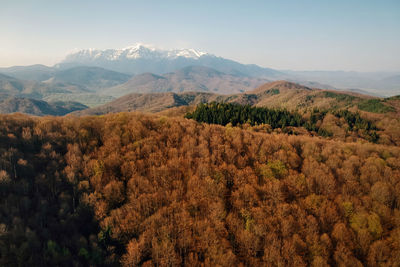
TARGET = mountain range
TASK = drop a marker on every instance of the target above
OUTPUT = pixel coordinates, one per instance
(84, 78)
(11, 104)
(80, 84)
(191, 78)
(94, 85)
(96, 77)
(141, 58)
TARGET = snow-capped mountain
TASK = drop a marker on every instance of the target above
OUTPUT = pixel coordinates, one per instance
(141, 58)
(137, 51)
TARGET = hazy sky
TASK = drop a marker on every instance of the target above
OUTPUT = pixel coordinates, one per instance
(361, 35)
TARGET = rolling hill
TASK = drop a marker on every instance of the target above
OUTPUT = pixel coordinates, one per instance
(88, 78)
(279, 94)
(14, 86)
(36, 72)
(79, 84)
(378, 83)
(33, 89)
(191, 78)
(37, 107)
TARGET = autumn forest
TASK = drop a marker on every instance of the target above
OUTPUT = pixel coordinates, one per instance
(130, 189)
(199, 133)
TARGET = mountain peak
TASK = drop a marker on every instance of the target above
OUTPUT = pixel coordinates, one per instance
(139, 58)
(139, 45)
(135, 51)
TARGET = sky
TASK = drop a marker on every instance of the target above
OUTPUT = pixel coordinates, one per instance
(357, 35)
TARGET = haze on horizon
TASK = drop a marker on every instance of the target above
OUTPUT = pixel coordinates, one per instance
(299, 35)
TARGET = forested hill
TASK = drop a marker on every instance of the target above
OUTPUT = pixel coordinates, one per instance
(142, 190)
(11, 104)
(333, 114)
(235, 114)
(279, 94)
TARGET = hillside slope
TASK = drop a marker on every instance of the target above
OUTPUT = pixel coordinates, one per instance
(140, 190)
(14, 86)
(37, 107)
(279, 94)
(191, 78)
(89, 78)
(33, 72)
(80, 84)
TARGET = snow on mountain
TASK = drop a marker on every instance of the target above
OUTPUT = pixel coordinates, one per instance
(141, 58)
(136, 51)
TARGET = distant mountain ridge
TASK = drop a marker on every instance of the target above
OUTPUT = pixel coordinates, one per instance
(79, 84)
(133, 52)
(11, 104)
(141, 58)
(89, 78)
(13, 86)
(36, 72)
(377, 83)
(191, 78)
